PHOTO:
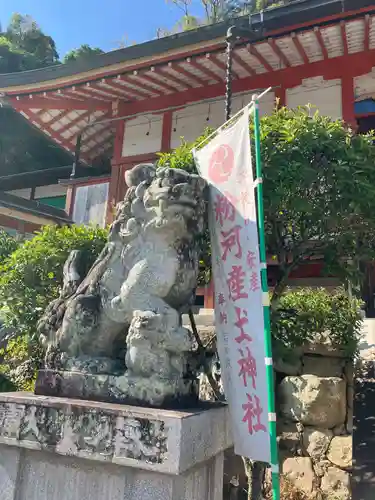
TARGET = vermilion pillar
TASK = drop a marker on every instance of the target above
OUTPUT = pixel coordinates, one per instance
(348, 100)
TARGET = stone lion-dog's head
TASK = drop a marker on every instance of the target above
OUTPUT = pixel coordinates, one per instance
(167, 195)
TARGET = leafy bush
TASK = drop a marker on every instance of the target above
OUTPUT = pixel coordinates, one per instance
(30, 278)
(303, 314)
(8, 244)
(21, 360)
(6, 385)
(319, 192)
(182, 156)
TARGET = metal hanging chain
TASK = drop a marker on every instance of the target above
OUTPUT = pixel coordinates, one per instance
(229, 75)
(202, 356)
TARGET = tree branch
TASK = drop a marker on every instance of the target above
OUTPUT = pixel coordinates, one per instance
(283, 280)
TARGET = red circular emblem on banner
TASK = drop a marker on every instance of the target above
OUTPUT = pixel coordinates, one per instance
(221, 164)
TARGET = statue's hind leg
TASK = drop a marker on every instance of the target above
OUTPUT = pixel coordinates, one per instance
(87, 337)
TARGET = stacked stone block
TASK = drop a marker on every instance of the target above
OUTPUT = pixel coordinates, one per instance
(315, 420)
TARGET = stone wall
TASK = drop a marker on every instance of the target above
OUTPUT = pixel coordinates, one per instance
(315, 421)
(314, 398)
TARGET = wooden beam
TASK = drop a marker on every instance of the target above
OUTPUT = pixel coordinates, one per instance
(113, 188)
(348, 99)
(56, 118)
(124, 91)
(219, 64)
(69, 201)
(98, 145)
(206, 71)
(60, 95)
(188, 74)
(166, 74)
(344, 38)
(109, 92)
(119, 140)
(148, 88)
(255, 53)
(330, 20)
(155, 81)
(21, 103)
(279, 53)
(75, 93)
(289, 77)
(167, 131)
(53, 134)
(320, 40)
(96, 150)
(140, 92)
(44, 127)
(87, 92)
(95, 134)
(300, 49)
(18, 224)
(280, 95)
(74, 122)
(243, 64)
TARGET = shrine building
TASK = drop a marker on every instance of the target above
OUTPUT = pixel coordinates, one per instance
(124, 107)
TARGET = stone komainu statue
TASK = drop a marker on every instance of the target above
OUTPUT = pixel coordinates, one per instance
(116, 334)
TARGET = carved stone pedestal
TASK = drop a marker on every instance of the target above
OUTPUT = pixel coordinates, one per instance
(79, 450)
(125, 389)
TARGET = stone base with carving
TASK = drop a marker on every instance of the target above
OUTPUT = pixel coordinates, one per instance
(124, 389)
(78, 450)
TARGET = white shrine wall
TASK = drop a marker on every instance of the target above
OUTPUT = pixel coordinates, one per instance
(323, 95)
(364, 86)
(191, 121)
(143, 134)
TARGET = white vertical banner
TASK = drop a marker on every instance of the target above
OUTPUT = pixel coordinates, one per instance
(225, 162)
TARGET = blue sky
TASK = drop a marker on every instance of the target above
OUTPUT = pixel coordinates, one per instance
(101, 23)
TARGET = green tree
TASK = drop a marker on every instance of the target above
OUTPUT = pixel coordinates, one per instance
(25, 34)
(83, 53)
(215, 11)
(306, 313)
(10, 56)
(319, 193)
(24, 46)
(8, 244)
(30, 278)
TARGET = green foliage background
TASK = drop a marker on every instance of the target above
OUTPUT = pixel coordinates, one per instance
(8, 244)
(84, 52)
(305, 313)
(30, 278)
(319, 192)
(319, 186)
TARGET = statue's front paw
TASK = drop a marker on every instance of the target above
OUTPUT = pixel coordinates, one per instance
(116, 302)
(115, 310)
